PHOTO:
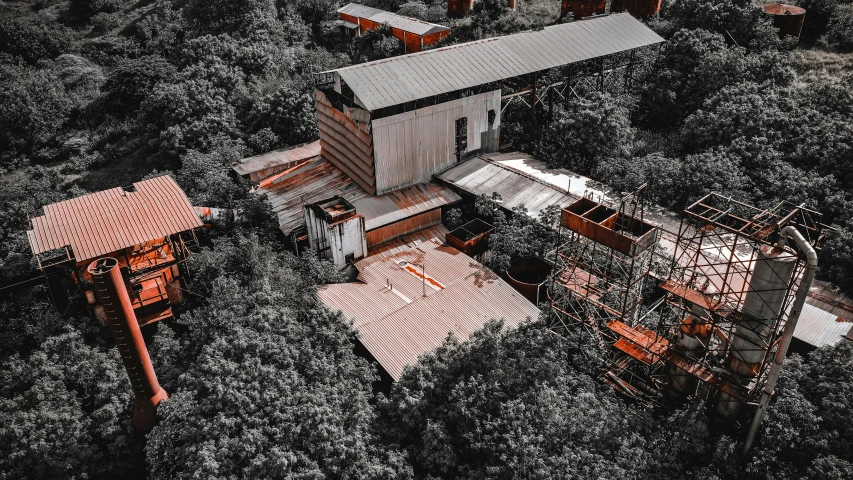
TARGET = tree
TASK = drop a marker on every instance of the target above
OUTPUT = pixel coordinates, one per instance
(82, 79)
(288, 113)
(740, 21)
(33, 108)
(589, 127)
(508, 404)
(65, 412)
(818, 16)
(32, 38)
(133, 80)
(840, 31)
(271, 385)
(662, 175)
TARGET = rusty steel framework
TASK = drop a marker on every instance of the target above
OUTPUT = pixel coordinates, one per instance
(711, 327)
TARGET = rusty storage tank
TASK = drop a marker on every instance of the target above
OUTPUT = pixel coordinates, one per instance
(583, 8)
(459, 8)
(787, 18)
(637, 8)
(530, 277)
(510, 5)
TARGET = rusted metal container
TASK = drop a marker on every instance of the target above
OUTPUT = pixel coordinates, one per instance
(787, 18)
(471, 238)
(637, 8)
(609, 227)
(530, 276)
(459, 8)
(118, 311)
(583, 8)
(510, 4)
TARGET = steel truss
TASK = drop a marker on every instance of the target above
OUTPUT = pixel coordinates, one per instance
(712, 327)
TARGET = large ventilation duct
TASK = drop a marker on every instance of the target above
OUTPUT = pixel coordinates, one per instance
(112, 294)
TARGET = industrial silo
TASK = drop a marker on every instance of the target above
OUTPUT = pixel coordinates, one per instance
(637, 8)
(583, 8)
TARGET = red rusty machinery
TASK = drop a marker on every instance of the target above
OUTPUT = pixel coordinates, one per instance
(787, 18)
(637, 8)
(583, 8)
(112, 293)
(459, 8)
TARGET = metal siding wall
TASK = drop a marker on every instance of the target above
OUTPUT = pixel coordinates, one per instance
(385, 234)
(411, 147)
(344, 144)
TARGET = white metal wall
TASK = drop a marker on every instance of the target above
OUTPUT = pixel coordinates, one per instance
(409, 148)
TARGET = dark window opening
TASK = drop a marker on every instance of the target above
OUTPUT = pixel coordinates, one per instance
(461, 138)
(492, 117)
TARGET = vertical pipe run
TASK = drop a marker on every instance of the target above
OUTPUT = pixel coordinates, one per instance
(112, 294)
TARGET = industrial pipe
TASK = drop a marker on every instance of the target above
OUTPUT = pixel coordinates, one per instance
(112, 294)
(790, 233)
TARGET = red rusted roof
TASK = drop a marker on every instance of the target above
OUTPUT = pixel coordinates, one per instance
(270, 163)
(318, 179)
(397, 323)
(114, 219)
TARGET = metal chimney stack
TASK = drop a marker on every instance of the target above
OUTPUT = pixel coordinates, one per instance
(112, 294)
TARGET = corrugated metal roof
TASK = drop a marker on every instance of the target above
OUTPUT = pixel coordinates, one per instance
(112, 220)
(407, 24)
(399, 204)
(284, 157)
(406, 78)
(481, 176)
(318, 179)
(387, 250)
(820, 328)
(399, 324)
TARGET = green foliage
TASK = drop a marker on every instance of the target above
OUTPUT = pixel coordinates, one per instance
(414, 10)
(205, 177)
(740, 21)
(663, 176)
(818, 16)
(32, 38)
(589, 127)
(64, 412)
(521, 236)
(509, 405)
(91, 7)
(288, 113)
(33, 109)
(81, 78)
(271, 386)
(162, 31)
(375, 44)
(131, 81)
(840, 31)
(697, 64)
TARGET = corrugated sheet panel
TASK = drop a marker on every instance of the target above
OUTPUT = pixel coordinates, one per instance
(112, 220)
(387, 250)
(319, 179)
(399, 324)
(345, 144)
(481, 176)
(400, 338)
(399, 204)
(402, 79)
(401, 228)
(820, 328)
(411, 147)
(276, 161)
(407, 24)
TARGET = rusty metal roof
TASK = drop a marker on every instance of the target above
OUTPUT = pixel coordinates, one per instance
(404, 203)
(406, 78)
(482, 176)
(318, 179)
(397, 324)
(114, 219)
(407, 24)
(819, 328)
(283, 158)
